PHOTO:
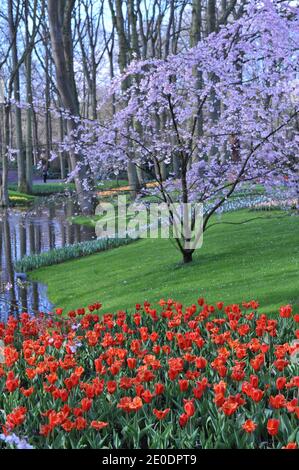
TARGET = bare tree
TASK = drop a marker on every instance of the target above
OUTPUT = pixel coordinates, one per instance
(88, 32)
(60, 17)
(123, 60)
(32, 23)
(14, 16)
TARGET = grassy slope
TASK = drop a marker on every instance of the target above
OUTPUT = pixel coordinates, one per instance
(237, 262)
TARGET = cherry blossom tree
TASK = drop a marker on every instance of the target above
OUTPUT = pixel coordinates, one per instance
(246, 92)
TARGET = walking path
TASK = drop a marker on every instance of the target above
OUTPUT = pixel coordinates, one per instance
(13, 178)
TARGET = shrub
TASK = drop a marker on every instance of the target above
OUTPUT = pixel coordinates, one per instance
(59, 255)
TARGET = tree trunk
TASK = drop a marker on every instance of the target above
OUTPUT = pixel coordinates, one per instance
(94, 103)
(133, 178)
(29, 147)
(4, 200)
(60, 12)
(16, 83)
(47, 100)
(196, 23)
(123, 57)
(62, 155)
(187, 256)
(211, 16)
(215, 102)
(35, 138)
(29, 112)
(195, 37)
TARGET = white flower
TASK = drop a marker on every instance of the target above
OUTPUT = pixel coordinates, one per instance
(13, 439)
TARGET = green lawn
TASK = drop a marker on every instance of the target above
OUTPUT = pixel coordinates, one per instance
(257, 260)
(111, 184)
(41, 189)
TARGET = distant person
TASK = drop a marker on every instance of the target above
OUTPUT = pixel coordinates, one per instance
(45, 169)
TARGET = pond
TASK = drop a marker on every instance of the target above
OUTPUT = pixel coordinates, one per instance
(45, 225)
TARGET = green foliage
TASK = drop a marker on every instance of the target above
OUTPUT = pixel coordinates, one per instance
(52, 188)
(19, 199)
(87, 220)
(59, 255)
(111, 184)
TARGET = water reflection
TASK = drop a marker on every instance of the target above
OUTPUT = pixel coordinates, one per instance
(46, 225)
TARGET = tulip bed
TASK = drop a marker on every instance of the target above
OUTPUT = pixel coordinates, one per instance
(165, 376)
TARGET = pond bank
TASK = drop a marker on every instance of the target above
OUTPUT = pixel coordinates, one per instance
(23, 231)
